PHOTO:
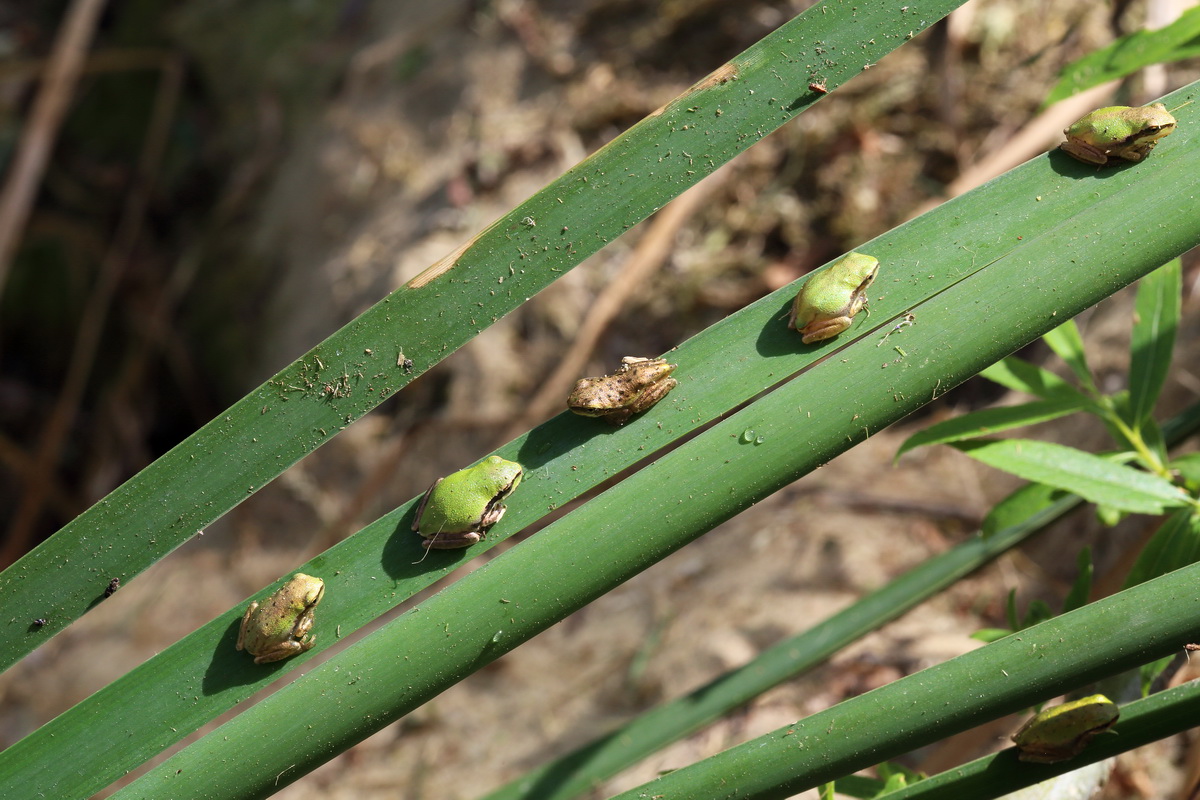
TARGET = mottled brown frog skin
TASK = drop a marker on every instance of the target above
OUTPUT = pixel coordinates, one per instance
(635, 387)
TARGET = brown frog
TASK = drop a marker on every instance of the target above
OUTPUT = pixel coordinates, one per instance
(635, 387)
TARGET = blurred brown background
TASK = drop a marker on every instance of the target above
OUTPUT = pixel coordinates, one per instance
(229, 183)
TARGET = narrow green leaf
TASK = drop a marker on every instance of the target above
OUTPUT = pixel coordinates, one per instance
(735, 360)
(1142, 722)
(360, 366)
(1011, 613)
(992, 420)
(1037, 613)
(1149, 673)
(1175, 544)
(858, 786)
(1014, 673)
(1127, 55)
(1155, 322)
(989, 635)
(1021, 376)
(1068, 344)
(572, 775)
(1081, 589)
(1188, 467)
(840, 401)
(1026, 503)
(1091, 477)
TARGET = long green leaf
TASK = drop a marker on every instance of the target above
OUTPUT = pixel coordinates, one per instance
(1175, 544)
(748, 352)
(1142, 721)
(1022, 504)
(575, 773)
(1095, 479)
(1155, 322)
(686, 492)
(1021, 376)
(1128, 54)
(361, 365)
(990, 421)
(1005, 676)
(1068, 344)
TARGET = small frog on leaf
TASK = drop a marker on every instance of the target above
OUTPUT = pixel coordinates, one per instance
(635, 387)
(1060, 733)
(458, 509)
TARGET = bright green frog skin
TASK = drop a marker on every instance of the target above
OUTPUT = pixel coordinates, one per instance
(1062, 732)
(829, 300)
(458, 509)
(278, 628)
(1124, 132)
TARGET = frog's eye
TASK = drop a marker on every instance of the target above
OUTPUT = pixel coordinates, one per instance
(1153, 129)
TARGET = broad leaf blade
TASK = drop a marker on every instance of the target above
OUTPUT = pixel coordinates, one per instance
(1095, 479)
(990, 421)
(1128, 54)
(1021, 376)
(1026, 503)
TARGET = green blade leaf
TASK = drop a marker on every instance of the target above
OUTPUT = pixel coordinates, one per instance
(684, 493)
(573, 774)
(1142, 721)
(358, 367)
(1175, 544)
(1188, 466)
(1021, 376)
(990, 421)
(1156, 320)
(1081, 589)
(1095, 479)
(1068, 344)
(1013, 237)
(1128, 54)
(1026, 503)
(1003, 677)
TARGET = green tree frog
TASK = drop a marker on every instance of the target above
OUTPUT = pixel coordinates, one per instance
(638, 384)
(829, 300)
(1060, 733)
(1117, 131)
(458, 509)
(278, 627)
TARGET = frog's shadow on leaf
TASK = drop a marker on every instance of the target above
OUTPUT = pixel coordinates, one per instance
(230, 667)
(777, 339)
(1070, 167)
(556, 437)
(404, 555)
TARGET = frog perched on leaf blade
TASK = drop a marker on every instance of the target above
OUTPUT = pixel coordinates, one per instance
(1124, 132)
(278, 628)
(828, 301)
(1062, 732)
(458, 509)
(637, 385)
